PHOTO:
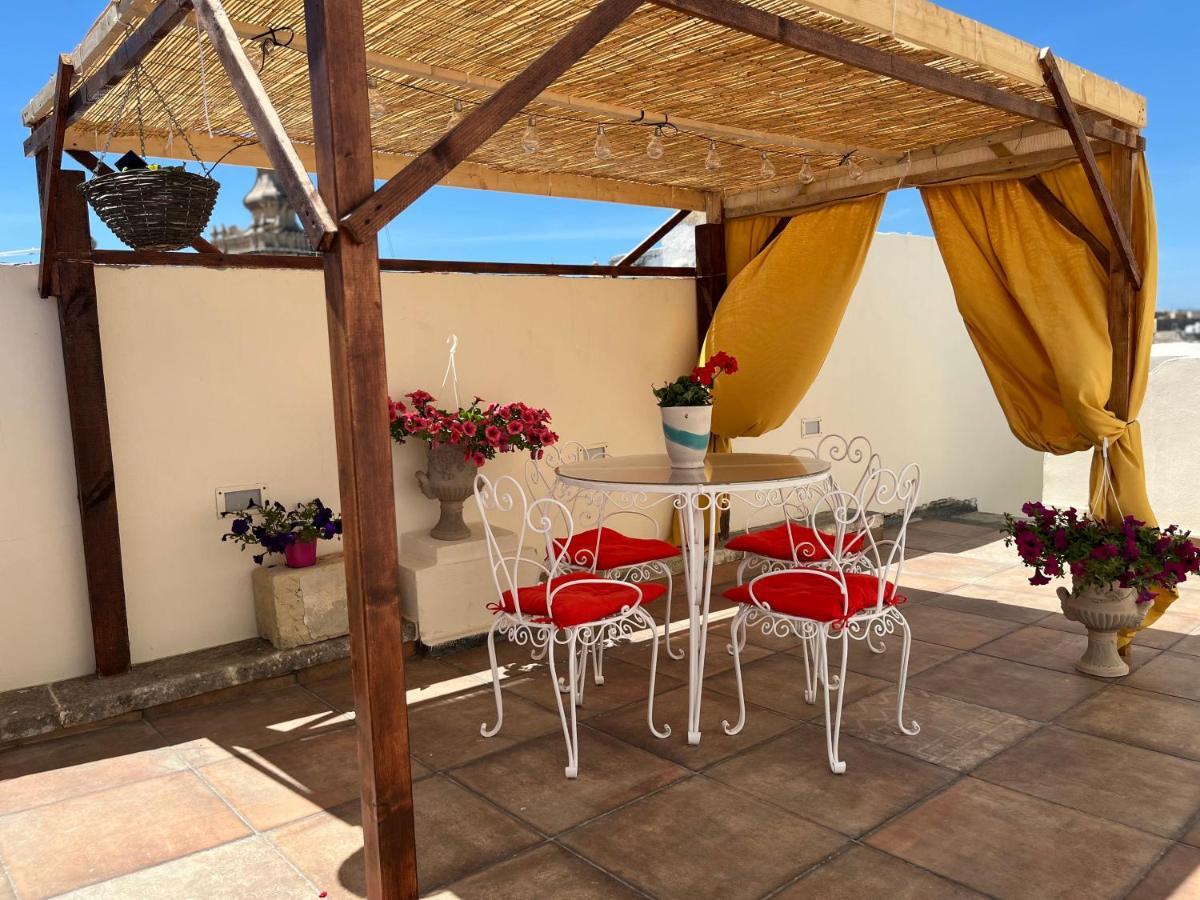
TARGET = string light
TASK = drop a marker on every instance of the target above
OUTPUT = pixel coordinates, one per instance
(602, 148)
(712, 161)
(656, 148)
(531, 141)
(376, 105)
(805, 175)
(767, 169)
(456, 114)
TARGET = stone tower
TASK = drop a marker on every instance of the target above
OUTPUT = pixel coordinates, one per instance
(273, 227)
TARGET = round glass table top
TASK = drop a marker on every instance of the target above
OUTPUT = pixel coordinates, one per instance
(720, 470)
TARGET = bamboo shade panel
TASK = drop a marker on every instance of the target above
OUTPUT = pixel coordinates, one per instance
(657, 60)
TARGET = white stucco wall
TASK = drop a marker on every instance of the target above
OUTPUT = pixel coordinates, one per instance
(221, 378)
(903, 372)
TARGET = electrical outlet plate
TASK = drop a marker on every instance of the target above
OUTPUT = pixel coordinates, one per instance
(235, 498)
(810, 427)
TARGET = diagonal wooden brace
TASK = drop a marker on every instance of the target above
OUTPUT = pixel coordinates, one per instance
(293, 177)
(49, 170)
(1074, 126)
(403, 188)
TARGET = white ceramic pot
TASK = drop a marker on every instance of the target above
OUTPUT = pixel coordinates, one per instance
(1103, 613)
(686, 430)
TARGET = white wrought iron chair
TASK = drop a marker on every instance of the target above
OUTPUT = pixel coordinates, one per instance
(838, 603)
(598, 547)
(795, 541)
(542, 603)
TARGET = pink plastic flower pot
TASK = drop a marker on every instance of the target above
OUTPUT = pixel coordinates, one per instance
(301, 554)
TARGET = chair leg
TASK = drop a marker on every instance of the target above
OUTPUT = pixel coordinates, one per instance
(581, 676)
(491, 642)
(598, 661)
(570, 732)
(737, 640)
(811, 654)
(833, 723)
(914, 728)
(666, 729)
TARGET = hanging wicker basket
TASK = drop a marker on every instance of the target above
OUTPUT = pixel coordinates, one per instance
(153, 209)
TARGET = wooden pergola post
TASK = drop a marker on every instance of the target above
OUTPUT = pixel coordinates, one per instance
(1122, 292)
(341, 122)
(710, 275)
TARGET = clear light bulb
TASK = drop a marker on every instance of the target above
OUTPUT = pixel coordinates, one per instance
(456, 115)
(376, 105)
(602, 148)
(531, 141)
(655, 149)
(712, 162)
(767, 169)
(805, 175)
(854, 170)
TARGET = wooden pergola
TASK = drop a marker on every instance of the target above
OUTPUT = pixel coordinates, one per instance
(797, 104)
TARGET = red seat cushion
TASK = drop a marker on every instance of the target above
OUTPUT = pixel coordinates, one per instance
(616, 549)
(809, 595)
(580, 604)
(776, 543)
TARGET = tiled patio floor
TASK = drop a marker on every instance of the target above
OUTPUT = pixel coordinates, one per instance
(1027, 779)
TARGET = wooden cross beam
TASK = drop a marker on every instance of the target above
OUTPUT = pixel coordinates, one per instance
(49, 169)
(769, 27)
(478, 126)
(124, 60)
(293, 177)
(627, 261)
(1075, 128)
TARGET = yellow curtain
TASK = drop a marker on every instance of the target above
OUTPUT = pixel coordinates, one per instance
(1035, 302)
(782, 309)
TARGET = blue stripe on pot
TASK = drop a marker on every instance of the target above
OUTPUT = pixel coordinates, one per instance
(686, 438)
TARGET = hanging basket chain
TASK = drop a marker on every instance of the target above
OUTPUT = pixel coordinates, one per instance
(115, 124)
(175, 124)
(137, 99)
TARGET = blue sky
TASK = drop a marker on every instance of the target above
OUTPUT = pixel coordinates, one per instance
(1146, 51)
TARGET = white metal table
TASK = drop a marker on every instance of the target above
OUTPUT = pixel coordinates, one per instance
(698, 496)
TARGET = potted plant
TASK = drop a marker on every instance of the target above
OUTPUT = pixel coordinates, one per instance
(1115, 571)
(292, 532)
(686, 405)
(461, 441)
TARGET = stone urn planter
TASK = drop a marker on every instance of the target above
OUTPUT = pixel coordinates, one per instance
(1103, 612)
(449, 479)
(686, 431)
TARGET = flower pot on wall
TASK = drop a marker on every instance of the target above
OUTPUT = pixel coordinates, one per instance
(1103, 612)
(686, 431)
(300, 554)
(449, 479)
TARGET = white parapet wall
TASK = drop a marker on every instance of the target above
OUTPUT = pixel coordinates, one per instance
(221, 378)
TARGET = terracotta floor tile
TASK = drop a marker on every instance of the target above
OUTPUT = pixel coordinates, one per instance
(951, 566)
(1157, 636)
(1050, 648)
(1192, 835)
(528, 780)
(700, 838)
(1176, 875)
(792, 771)
(996, 840)
(1159, 793)
(716, 653)
(777, 683)
(929, 584)
(949, 628)
(208, 733)
(629, 724)
(545, 871)
(1012, 687)
(1154, 721)
(82, 840)
(998, 603)
(420, 675)
(1189, 644)
(624, 683)
(1177, 674)
(41, 773)
(250, 869)
(445, 732)
(6, 889)
(861, 873)
(886, 665)
(953, 734)
(289, 781)
(457, 833)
